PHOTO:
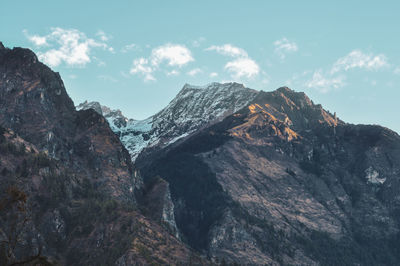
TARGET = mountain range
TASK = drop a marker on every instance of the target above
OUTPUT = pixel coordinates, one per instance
(224, 174)
(193, 108)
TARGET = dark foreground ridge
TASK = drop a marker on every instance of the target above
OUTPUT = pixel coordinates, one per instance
(68, 187)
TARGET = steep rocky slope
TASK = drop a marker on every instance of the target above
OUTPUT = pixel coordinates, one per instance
(68, 187)
(238, 175)
(193, 108)
(282, 181)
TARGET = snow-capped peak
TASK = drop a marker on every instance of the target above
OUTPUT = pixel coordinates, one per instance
(191, 109)
(115, 118)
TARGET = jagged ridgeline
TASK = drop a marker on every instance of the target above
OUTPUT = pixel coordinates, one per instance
(193, 108)
(224, 174)
(69, 191)
(278, 180)
(283, 181)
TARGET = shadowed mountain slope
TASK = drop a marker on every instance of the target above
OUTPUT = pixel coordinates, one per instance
(282, 181)
(68, 187)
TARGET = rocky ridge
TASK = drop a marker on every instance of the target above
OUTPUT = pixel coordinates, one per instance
(192, 108)
(69, 189)
(283, 181)
(238, 175)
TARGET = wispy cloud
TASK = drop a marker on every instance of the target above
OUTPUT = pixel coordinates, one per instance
(129, 47)
(324, 83)
(141, 66)
(228, 50)
(173, 72)
(99, 62)
(284, 46)
(69, 46)
(358, 59)
(36, 39)
(242, 66)
(194, 72)
(397, 71)
(213, 74)
(175, 55)
(198, 42)
(103, 36)
(334, 77)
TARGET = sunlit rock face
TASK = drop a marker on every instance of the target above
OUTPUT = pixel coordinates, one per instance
(283, 181)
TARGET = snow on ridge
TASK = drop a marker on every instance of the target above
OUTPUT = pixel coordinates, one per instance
(190, 86)
(192, 108)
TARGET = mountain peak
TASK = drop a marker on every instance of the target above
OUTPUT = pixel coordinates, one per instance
(191, 109)
(90, 105)
(213, 85)
(285, 89)
(115, 118)
(18, 56)
(297, 106)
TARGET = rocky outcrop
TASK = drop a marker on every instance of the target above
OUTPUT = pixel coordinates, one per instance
(159, 205)
(68, 187)
(35, 105)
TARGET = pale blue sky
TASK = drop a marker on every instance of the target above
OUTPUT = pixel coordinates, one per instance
(136, 55)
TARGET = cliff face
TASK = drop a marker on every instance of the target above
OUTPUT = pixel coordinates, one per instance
(35, 105)
(71, 176)
(284, 181)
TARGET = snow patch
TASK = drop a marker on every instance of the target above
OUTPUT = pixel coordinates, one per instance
(178, 138)
(372, 176)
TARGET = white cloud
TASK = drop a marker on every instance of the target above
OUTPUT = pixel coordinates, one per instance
(173, 72)
(36, 39)
(141, 66)
(194, 72)
(243, 67)
(358, 59)
(71, 47)
(213, 74)
(198, 42)
(175, 55)
(397, 71)
(129, 47)
(172, 54)
(99, 62)
(324, 83)
(334, 77)
(103, 36)
(228, 50)
(284, 46)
